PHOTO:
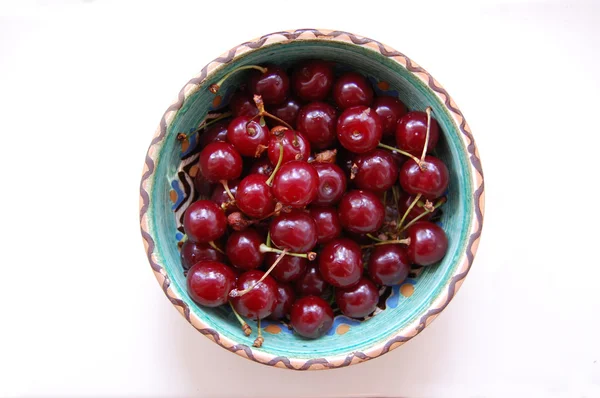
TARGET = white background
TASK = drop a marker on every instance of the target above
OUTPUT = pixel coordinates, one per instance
(82, 88)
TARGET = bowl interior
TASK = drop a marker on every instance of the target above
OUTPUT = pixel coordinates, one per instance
(406, 302)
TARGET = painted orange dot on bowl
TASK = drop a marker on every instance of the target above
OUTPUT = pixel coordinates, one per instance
(185, 144)
(383, 85)
(407, 289)
(273, 329)
(194, 171)
(216, 101)
(173, 195)
(342, 329)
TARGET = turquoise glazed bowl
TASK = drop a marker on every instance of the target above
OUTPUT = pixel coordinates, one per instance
(166, 190)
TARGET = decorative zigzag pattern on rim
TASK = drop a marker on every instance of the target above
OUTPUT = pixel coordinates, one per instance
(382, 347)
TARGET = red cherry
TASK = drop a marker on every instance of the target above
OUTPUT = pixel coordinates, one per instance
(209, 283)
(359, 300)
(214, 133)
(428, 243)
(352, 89)
(285, 299)
(312, 80)
(289, 268)
(192, 253)
(242, 104)
(390, 110)
(359, 129)
(430, 179)
(317, 122)
(296, 184)
(286, 111)
(220, 196)
(311, 317)
(311, 283)
(389, 265)
(327, 222)
(254, 196)
(295, 231)
(295, 147)
(261, 300)
(412, 130)
(273, 85)
(332, 183)
(220, 161)
(243, 249)
(246, 135)
(377, 170)
(361, 212)
(204, 221)
(340, 262)
(202, 185)
(262, 166)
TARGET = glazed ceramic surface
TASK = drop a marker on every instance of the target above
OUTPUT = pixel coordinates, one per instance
(167, 189)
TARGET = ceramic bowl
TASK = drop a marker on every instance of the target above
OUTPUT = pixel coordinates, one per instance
(166, 190)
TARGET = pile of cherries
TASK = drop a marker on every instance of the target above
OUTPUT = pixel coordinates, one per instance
(319, 193)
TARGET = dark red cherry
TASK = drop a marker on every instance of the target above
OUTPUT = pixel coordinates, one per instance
(361, 212)
(220, 161)
(389, 265)
(332, 183)
(243, 249)
(430, 179)
(192, 253)
(412, 130)
(377, 170)
(317, 122)
(359, 300)
(204, 221)
(340, 262)
(286, 111)
(405, 202)
(220, 196)
(296, 184)
(254, 196)
(289, 268)
(312, 80)
(242, 104)
(202, 185)
(311, 283)
(428, 243)
(285, 299)
(328, 223)
(209, 283)
(359, 129)
(259, 302)
(295, 231)
(214, 133)
(295, 147)
(352, 89)
(311, 317)
(246, 135)
(273, 85)
(390, 110)
(262, 166)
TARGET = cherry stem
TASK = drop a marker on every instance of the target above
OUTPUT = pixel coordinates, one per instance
(245, 327)
(278, 166)
(183, 136)
(226, 187)
(268, 242)
(428, 111)
(440, 202)
(240, 293)
(259, 340)
(388, 242)
(375, 238)
(262, 112)
(214, 88)
(214, 246)
(266, 249)
(414, 202)
(400, 151)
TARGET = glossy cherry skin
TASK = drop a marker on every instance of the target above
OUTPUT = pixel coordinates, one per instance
(311, 317)
(328, 223)
(192, 253)
(352, 89)
(405, 202)
(311, 283)
(242, 104)
(332, 183)
(273, 85)
(296, 184)
(262, 166)
(377, 170)
(204, 221)
(295, 147)
(388, 265)
(220, 161)
(359, 129)
(359, 300)
(258, 303)
(428, 243)
(285, 299)
(390, 110)
(209, 283)
(295, 231)
(312, 80)
(289, 268)
(431, 181)
(220, 196)
(340, 262)
(214, 133)
(317, 122)
(254, 196)
(202, 185)
(412, 130)
(286, 111)
(361, 212)
(246, 135)
(243, 249)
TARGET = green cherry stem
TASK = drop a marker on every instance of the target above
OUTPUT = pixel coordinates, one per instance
(247, 329)
(388, 242)
(428, 111)
(400, 151)
(311, 256)
(277, 167)
(214, 88)
(414, 202)
(214, 246)
(183, 136)
(240, 293)
(440, 202)
(259, 339)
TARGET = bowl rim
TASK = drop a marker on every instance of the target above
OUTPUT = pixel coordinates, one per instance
(401, 336)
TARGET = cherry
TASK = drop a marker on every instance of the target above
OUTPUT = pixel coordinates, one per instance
(209, 283)
(352, 89)
(317, 122)
(388, 265)
(214, 133)
(273, 85)
(262, 166)
(204, 221)
(332, 183)
(220, 195)
(285, 299)
(295, 231)
(243, 249)
(296, 184)
(404, 203)
(377, 170)
(390, 110)
(311, 283)
(430, 179)
(312, 80)
(295, 147)
(202, 185)
(359, 129)
(192, 253)
(289, 268)
(428, 243)
(286, 111)
(327, 222)
(412, 130)
(242, 104)
(220, 161)
(246, 135)
(340, 262)
(361, 212)
(254, 196)
(359, 300)
(260, 301)
(311, 317)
